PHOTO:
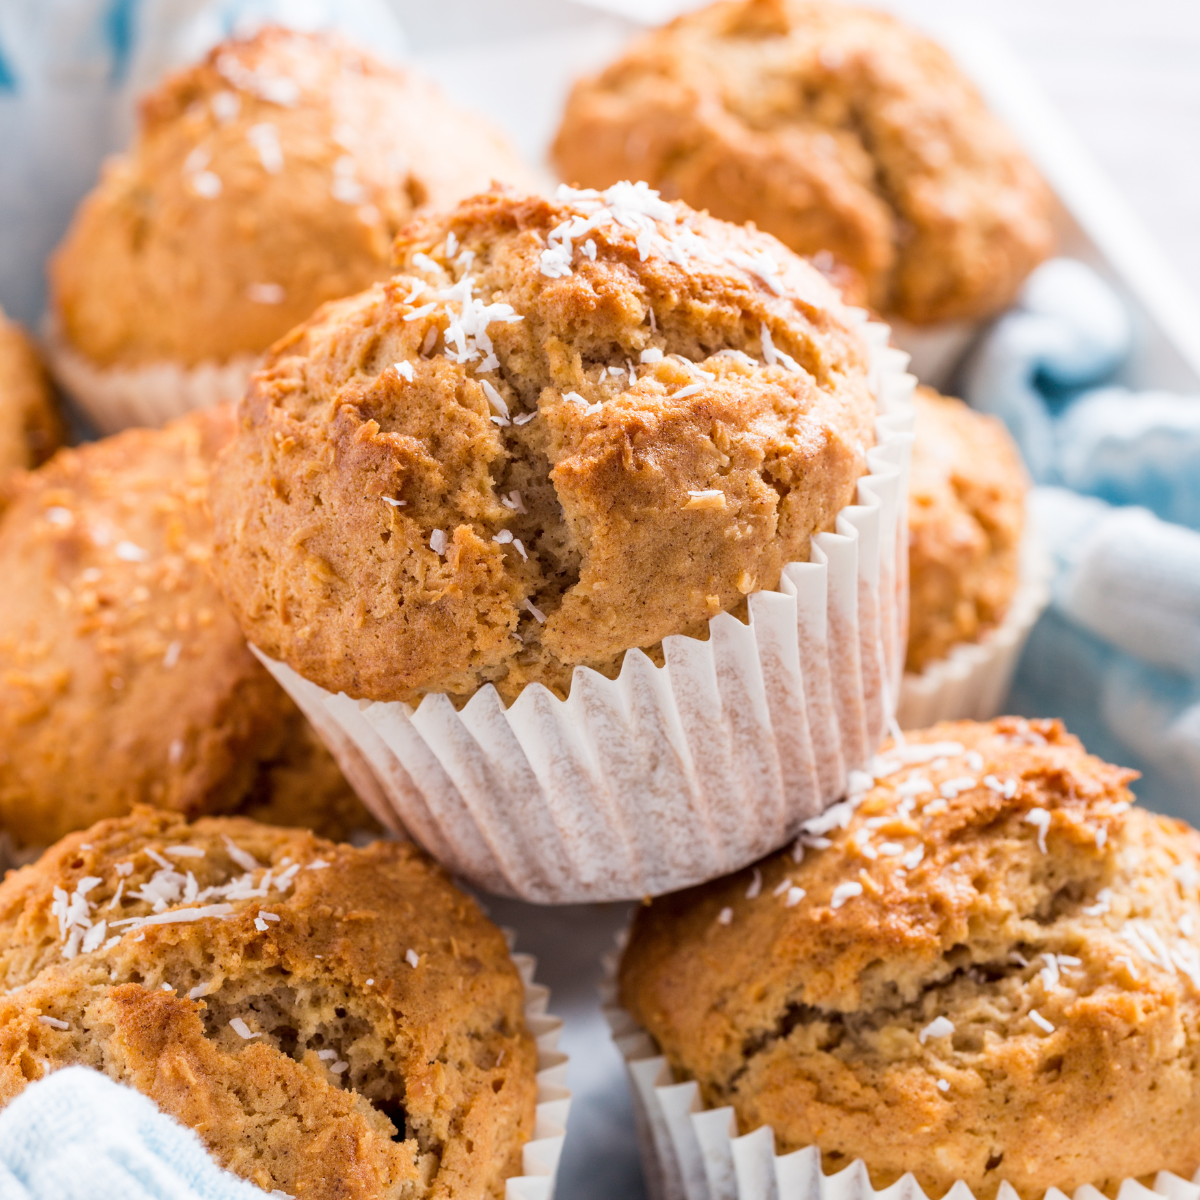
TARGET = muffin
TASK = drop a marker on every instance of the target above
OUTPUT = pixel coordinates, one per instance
(978, 578)
(31, 427)
(571, 440)
(331, 1022)
(262, 182)
(966, 514)
(583, 461)
(980, 968)
(834, 128)
(124, 678)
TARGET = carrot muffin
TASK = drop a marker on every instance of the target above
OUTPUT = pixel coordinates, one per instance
(31, 428)
(567, 428)
(982, 966)
(966, 515)
(834, 128)
(123, 676)
(333, 1023)
(267, 179)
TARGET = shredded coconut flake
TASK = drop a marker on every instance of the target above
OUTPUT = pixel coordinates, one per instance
(243, 859)
(794, 896)
(242, 1029)
(1040, 1021)
(939, 1027)
(1102, 905)
(179, 916)
(755, 888)
(844, 892)
(725, 916)
(54, 1023)
(773, 356)
(412, 958)
(437, 541)
(538, 615)
(1039, 817)
(952, 787)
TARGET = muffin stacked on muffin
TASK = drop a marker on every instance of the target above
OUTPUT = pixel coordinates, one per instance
(265, 180)
(982, 966)
(837, 129)
(569, 427)
(966, 516)
(332, 1022)
(31, 428)
(124, 678)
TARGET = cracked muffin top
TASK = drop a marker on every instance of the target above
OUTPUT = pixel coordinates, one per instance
(332, 1022)
(568, 427)
(263, 181)
(966, 513)
(982, 966)
(834, 128)
(124, 677)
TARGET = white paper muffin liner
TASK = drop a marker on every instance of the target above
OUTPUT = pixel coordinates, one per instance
(542, 1152)
(972, 681)
(116, 398)
(663, 777)
(691, 1152)
(935, 350)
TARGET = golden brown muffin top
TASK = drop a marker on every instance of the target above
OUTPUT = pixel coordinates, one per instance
(983, 967)
(123, 676)
(267, 179)
(834, 128)
(332, 1022)
(31, 427)
(570, 427)
(966, 515)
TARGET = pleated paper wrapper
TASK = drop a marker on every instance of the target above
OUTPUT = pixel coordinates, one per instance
(972, 681)
(663, 777)
(690, 1152)
(116, 398)
(542, 1152)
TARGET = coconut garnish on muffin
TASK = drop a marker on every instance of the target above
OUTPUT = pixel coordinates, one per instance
(332, 1022)
(981, 967)
(568, 428)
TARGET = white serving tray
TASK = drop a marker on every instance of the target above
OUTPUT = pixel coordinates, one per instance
(515, 61)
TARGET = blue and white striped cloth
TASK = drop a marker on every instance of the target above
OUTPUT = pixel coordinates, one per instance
(77, 1135)
(1117, 654)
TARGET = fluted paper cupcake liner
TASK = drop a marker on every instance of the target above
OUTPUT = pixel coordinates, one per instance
(116, 398)
(692, 1152)
(972, 681)
(935, 350)
(542, 1152)
(662, 777)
